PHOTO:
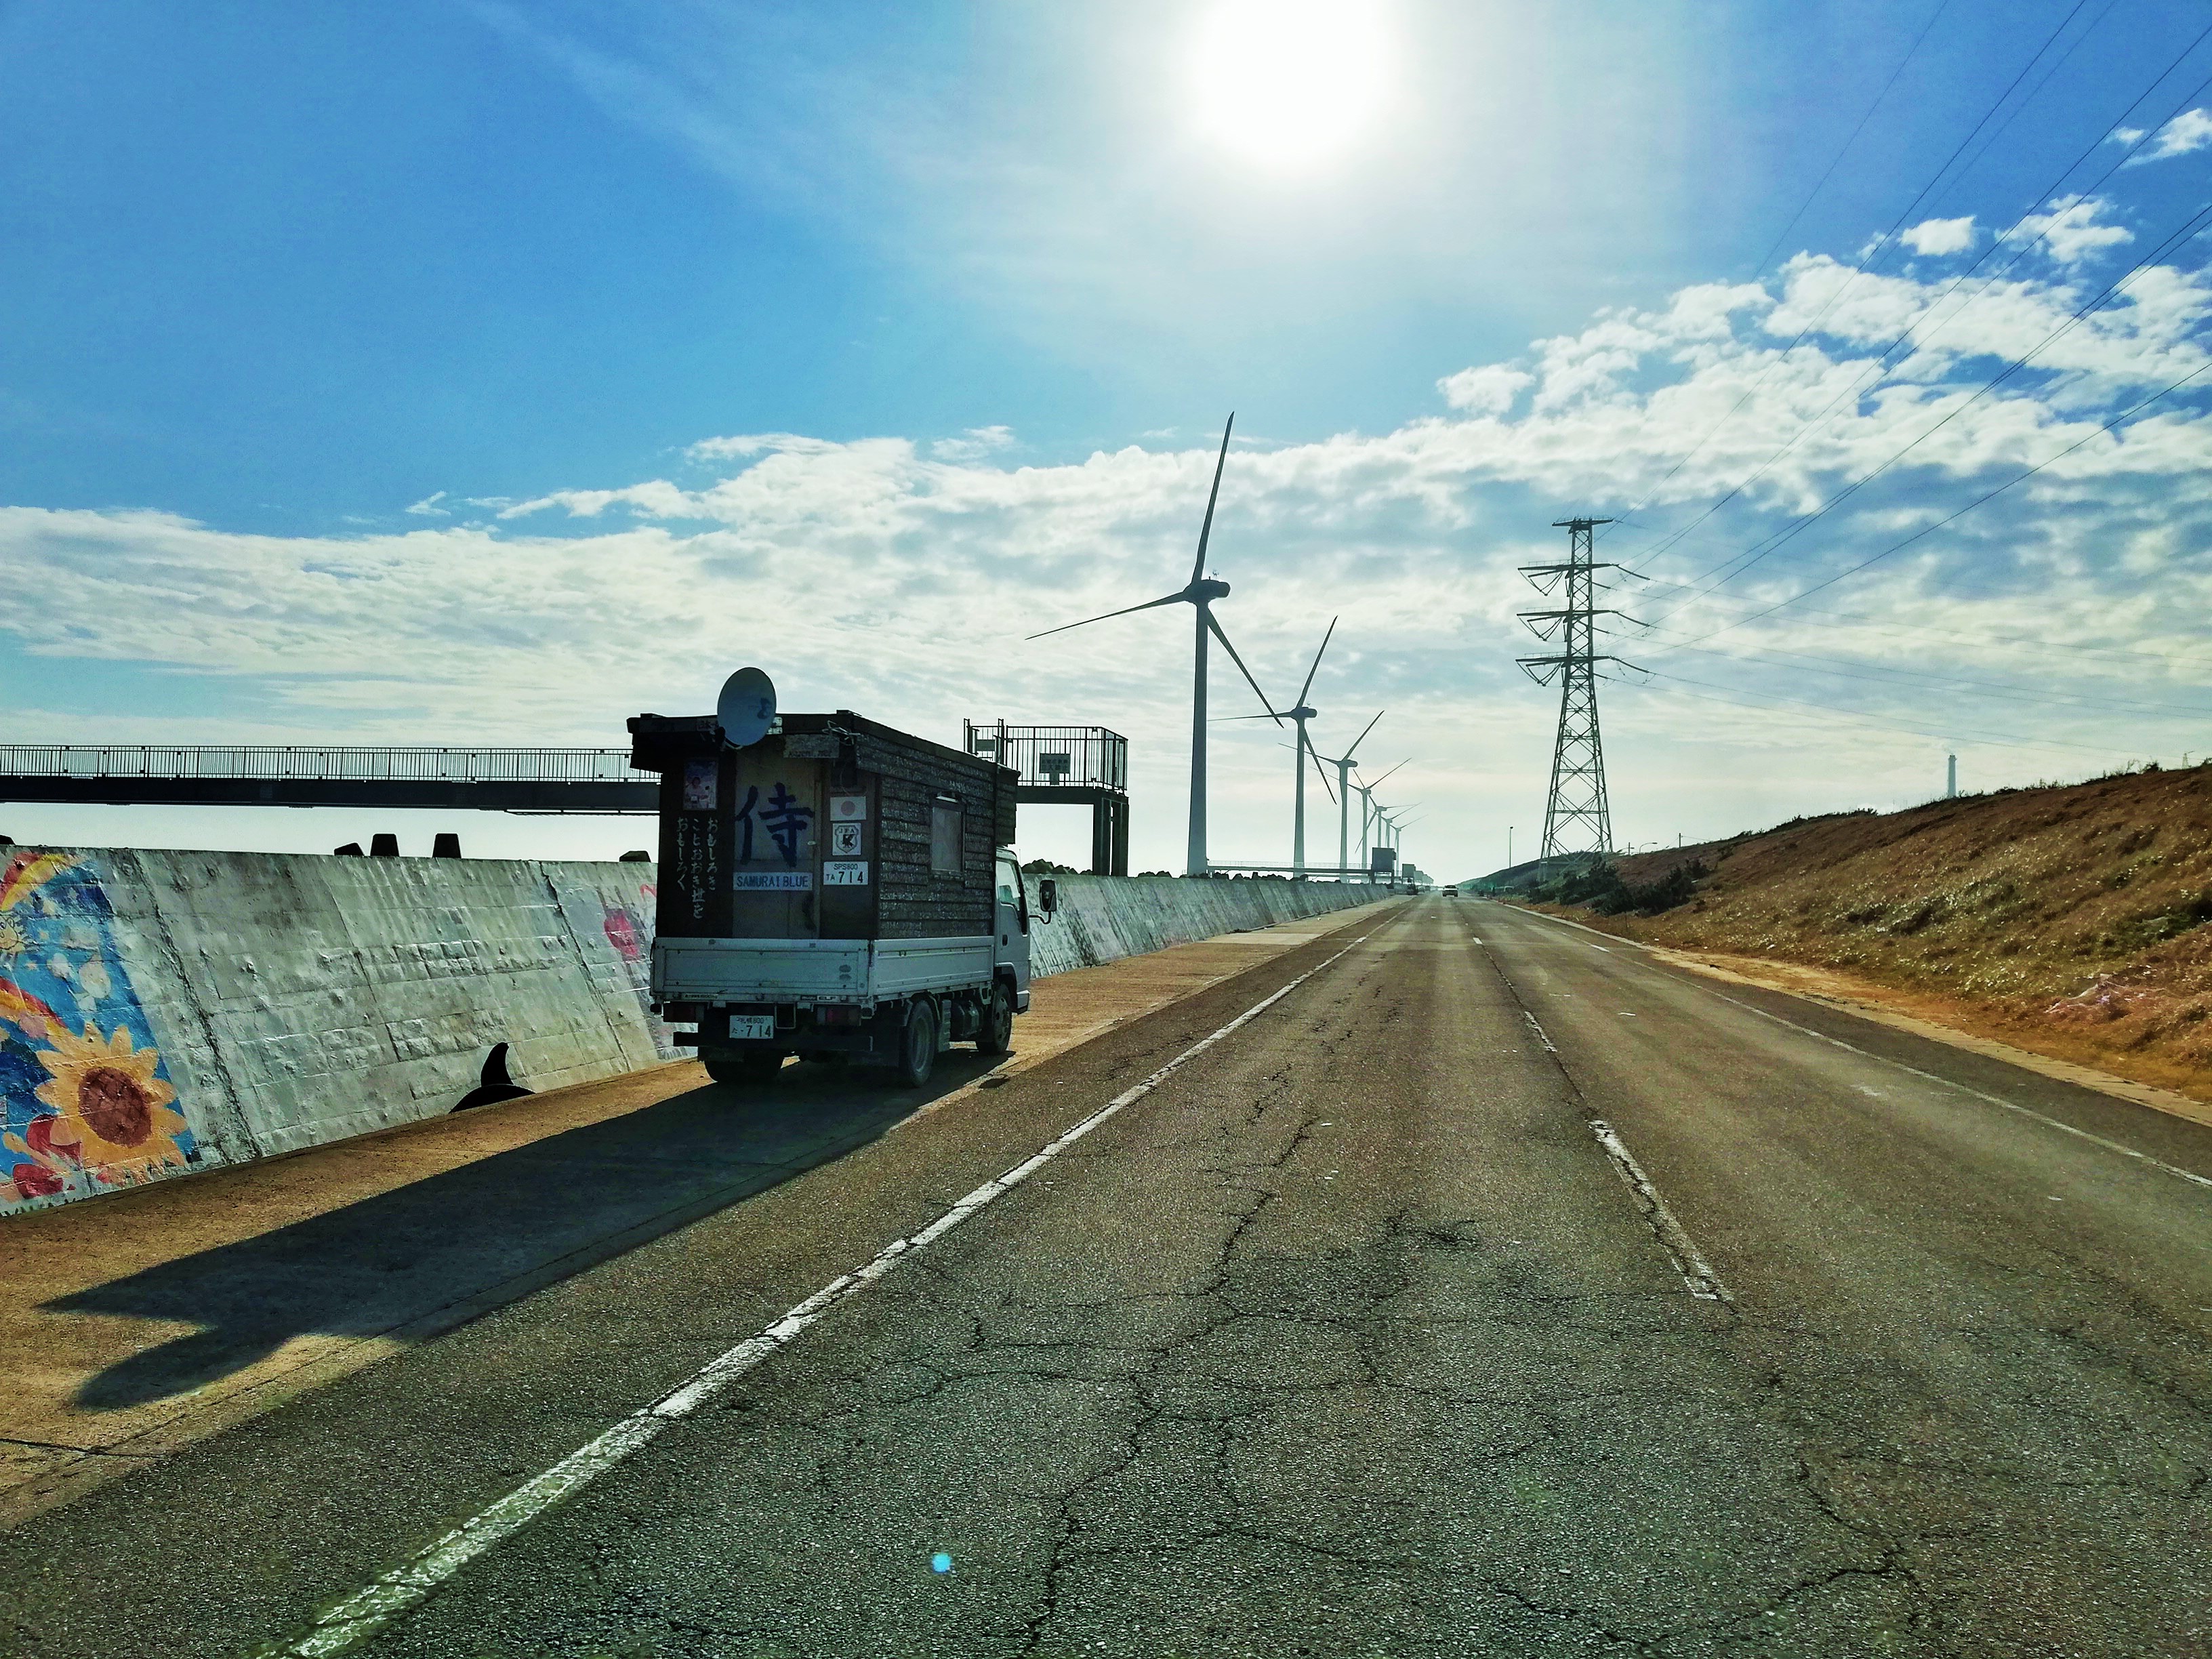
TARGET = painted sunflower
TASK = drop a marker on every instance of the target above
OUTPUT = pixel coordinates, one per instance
(114, 1111)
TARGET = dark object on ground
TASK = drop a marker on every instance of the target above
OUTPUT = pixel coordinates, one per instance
(493, 1083)
(445, 844)
(384, 847)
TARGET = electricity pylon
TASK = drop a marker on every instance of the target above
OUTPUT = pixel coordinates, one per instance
(1576, 810)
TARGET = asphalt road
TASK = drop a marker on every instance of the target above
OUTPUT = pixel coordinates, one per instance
(1351, 1336)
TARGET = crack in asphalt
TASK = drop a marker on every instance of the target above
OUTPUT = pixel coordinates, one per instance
(1187, 1401)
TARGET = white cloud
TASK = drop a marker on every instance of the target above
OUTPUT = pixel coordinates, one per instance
(1940, 236)
(858, 570)
(1489, 389)
(2190, 130)
(758, 443)
(981, 440)
(427, 507)
(655, 499)
(2070, 231)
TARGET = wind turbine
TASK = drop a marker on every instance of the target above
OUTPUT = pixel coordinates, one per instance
(1398, 828)
(1367, 809)
(1199, 594)
(1300, 712)
(1343, 764)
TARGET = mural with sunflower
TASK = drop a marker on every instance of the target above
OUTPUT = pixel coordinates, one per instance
(86, 1103)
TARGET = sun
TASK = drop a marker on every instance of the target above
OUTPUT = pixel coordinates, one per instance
(1286, 84)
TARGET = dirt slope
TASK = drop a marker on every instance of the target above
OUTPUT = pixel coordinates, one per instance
(2070, 919)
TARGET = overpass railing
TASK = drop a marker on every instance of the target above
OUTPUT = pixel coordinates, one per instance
(272, 762)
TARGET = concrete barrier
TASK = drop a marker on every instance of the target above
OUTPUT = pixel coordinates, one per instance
(165, 1011)
(1105, 918)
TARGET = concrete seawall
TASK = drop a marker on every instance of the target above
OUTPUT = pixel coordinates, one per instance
(1105, 918)
(166, 1012)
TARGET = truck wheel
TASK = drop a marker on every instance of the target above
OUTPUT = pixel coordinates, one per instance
(997, 1033)
(747, 1065)
(918, 1043)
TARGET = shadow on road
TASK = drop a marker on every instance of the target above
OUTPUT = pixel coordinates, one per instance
(495, 1229)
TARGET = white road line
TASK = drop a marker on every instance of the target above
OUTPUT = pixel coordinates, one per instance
(1994, 1100)
(2190, 1177)
(362, 1615)
(1696, 1272)
(1580, 927)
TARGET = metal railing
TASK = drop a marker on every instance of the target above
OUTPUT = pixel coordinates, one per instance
(255, 762)
(1055, 756)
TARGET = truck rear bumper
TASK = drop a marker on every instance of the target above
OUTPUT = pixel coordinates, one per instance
(783, 970)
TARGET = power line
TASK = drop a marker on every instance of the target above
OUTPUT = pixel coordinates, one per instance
(1876, 674)
(1873, 253)
(1773, 543)
(1947, 732)
(1899, 546)
(1949, 635)
(2057, 65)
(1941, 6)
(1882, 363)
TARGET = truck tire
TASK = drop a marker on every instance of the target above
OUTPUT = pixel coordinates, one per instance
(747, 1065)
(996, 1035)
(918, 1043)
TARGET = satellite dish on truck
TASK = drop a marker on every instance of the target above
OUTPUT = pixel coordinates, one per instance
(746, 707)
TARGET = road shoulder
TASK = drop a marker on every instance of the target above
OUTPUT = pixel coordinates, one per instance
(1829, 989)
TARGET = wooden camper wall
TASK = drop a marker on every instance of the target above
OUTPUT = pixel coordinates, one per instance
(910, 775)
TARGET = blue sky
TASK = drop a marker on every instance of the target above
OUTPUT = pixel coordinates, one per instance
(964, 291)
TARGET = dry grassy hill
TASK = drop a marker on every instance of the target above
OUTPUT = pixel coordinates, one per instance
(2067, 920)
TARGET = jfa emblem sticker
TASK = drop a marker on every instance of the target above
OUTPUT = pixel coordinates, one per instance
(849, 809)
(845, 840)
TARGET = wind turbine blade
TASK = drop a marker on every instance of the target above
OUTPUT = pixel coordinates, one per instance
(1149, 604)
(1198, 565)
(1214, 624)
(1362, 737)
(1324, 770)
(1378, 784)
(1325, 638)
(1217, 718)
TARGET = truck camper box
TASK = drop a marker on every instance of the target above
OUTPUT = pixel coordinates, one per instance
(830, 889)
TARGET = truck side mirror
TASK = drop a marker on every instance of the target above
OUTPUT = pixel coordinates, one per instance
(1048, 897)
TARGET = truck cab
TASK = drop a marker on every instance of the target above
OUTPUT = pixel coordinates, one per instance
(1013, 931)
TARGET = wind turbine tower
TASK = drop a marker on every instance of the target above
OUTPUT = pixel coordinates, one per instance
(1368, 811)
(1299, 713)
(1343, 764)
(1199, 593)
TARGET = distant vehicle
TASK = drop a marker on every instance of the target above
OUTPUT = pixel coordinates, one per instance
(833, 889)
(1451, 892)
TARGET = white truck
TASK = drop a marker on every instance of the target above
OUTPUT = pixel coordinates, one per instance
(835, 890)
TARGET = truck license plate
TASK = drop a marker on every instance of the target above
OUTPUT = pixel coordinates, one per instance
(751, 1028)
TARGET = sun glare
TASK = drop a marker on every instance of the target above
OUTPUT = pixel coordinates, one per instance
(1287, 83)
